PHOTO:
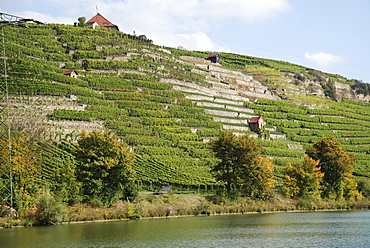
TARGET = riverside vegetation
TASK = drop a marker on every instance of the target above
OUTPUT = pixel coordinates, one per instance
(158, 108)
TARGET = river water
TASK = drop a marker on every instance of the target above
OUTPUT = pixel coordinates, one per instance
(295, 229)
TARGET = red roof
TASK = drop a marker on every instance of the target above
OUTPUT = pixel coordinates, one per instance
(213, 55)
(68, 72)
(254, 119)
(101, 21)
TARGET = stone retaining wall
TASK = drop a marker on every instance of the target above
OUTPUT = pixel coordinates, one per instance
(231, 127)
(232, 121)
(221, 113)
(237, 102)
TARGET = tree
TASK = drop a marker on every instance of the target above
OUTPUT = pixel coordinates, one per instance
(335, 163)
(302, 179)
(241, 164)
(259, 180)
(105, 167)
(81, 21)
(25, 171)
(364, 186)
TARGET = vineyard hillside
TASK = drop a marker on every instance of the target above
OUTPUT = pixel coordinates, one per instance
(168, 103)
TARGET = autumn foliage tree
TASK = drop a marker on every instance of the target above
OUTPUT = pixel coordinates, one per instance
(260, 177)
(21, 161)
(241, 164)
(302, 179)
(336, 165)
(104, 167)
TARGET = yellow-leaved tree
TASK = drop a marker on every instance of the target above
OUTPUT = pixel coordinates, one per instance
(337, 166)
(241, 165)
(21, 160)
(302, 179)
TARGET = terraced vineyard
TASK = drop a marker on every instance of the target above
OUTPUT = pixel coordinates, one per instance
(167, 104)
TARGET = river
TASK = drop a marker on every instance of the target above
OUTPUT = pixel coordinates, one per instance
(295, 229)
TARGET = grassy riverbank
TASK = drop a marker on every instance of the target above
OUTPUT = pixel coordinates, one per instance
(172, 205)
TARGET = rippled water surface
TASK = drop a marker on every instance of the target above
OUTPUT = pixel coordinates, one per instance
(307, 229)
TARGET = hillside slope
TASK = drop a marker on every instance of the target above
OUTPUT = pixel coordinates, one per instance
(168, 103)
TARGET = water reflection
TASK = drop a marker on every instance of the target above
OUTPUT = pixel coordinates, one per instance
(309, 229)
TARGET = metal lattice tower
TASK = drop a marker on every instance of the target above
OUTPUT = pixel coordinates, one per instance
(6, 177)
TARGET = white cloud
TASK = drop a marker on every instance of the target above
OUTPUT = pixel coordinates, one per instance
(186, 23)
(323, 59)
(197, 14)
(47, 18)
(167, 22)
(199, 41)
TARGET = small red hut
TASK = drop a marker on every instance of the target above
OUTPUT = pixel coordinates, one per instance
(71, 73)
(256, 123)
(214, 57)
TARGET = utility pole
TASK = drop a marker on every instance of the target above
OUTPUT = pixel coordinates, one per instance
(6, 176)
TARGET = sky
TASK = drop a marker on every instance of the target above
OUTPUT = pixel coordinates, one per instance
(332, 35)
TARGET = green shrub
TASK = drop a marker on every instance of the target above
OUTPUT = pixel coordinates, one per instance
(49, 211)
(364, 186)
(305, 203)
(130, 192)
(202, 208)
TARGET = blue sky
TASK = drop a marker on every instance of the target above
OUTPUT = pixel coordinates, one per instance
(331, 35)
